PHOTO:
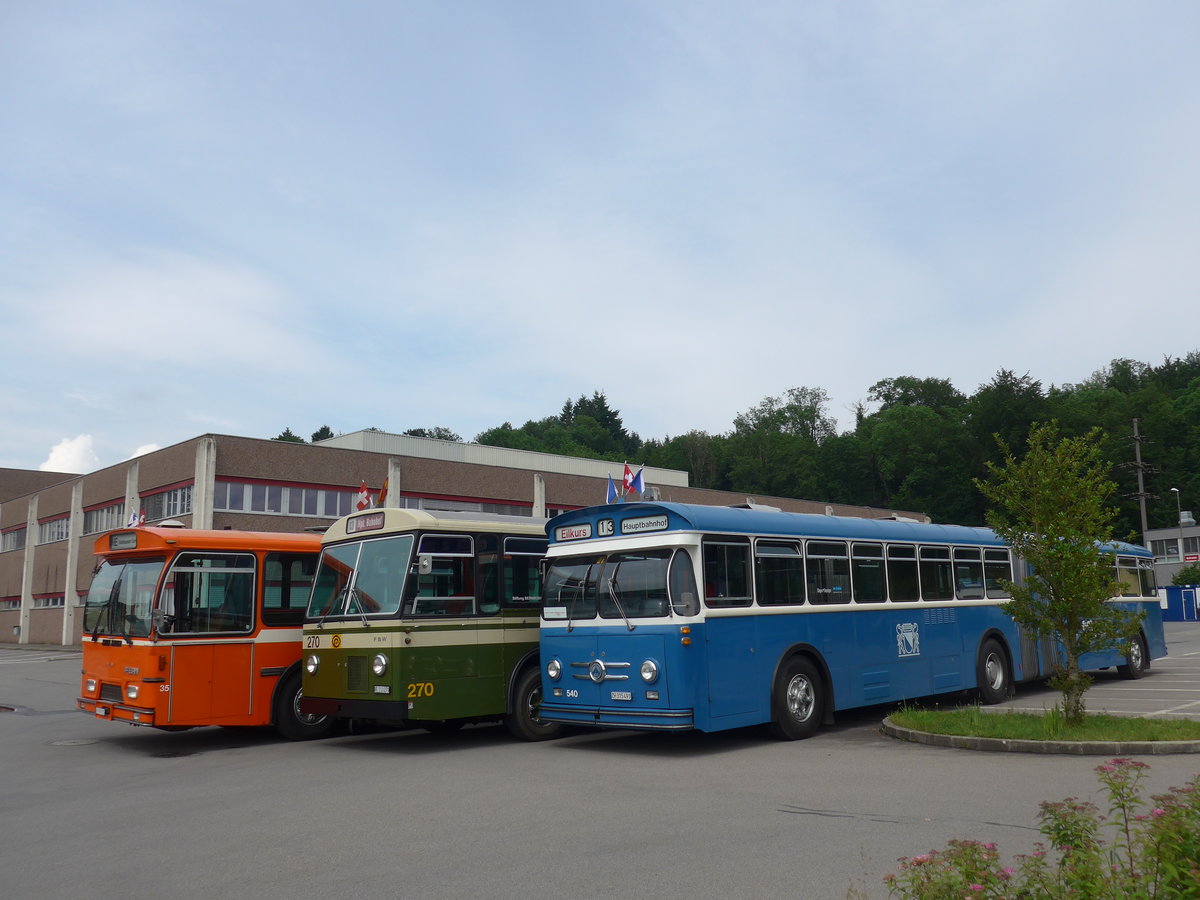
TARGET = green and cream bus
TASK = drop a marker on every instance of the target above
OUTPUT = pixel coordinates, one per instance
(428, 619)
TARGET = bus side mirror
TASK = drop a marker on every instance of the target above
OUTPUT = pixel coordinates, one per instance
(424, 564)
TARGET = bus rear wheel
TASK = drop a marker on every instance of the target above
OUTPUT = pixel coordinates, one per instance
(798, 703)
(991, 672)
(1136, 660)
(293, 724)
(523, 722)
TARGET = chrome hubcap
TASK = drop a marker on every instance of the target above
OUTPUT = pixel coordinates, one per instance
(800, 699)
(994, 672)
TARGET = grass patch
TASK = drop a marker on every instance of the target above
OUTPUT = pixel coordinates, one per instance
(972, 721)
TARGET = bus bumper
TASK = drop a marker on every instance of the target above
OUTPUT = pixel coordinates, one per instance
(115, 712)
(380, 710)
(619, 717)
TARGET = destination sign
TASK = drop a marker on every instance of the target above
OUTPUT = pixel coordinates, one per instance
(372, 522)
(573, 532)
(125, 540)
(643, 524)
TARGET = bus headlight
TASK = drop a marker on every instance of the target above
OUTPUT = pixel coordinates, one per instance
(649, 671)
(131, 691)
(379, 664)
(310, 664)
(91, 686)
(554, 669)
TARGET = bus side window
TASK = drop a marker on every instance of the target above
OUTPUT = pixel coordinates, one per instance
(726, 573)
(522, 572)
(287, 582)
(968, 573)
(997, 571)
(778, 573)
(828, 572)
(937, 579)
(902, 573)
(487, 574)
(682, 581)
(866, 571)
(448, 589)
(1127, 577)
(1146, 575)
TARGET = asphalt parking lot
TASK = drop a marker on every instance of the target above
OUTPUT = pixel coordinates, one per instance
(103, 808)
(1170, 690)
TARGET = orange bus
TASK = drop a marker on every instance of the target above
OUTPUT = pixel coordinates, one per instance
(183, 628)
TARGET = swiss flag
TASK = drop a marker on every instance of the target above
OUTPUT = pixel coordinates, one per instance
(364, 498)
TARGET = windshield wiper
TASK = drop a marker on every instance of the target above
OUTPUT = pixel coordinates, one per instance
(581, 589)
(332, 603)
(356, 598)
(613, 590)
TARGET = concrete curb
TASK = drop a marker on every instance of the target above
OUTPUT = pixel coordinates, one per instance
(1075, 748)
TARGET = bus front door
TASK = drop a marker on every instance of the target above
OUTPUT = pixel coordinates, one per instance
(210, 680)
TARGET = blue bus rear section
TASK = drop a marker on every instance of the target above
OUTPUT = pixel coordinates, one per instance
(722, 668)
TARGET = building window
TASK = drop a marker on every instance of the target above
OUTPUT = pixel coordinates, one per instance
(13, 540)
(54, 530)
(49, 601)
(282, 500)
(10, 603)
(104, 519)
(331, 503)
(167, 504)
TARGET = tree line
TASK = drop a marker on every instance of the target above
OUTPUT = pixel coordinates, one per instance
(916, 443)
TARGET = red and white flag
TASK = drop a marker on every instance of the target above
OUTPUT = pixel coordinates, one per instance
(364, 498)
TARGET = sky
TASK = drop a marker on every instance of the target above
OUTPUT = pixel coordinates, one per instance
(241, 217)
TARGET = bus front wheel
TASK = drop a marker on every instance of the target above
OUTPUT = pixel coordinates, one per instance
(293, 724)
(523, 722)
(991, 672)
(798, 701)
(1136, 660)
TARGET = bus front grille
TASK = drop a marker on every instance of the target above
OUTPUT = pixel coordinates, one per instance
(110, 692)
(356, 673)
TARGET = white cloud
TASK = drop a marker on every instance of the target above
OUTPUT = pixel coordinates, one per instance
(143, 450)
(72, 455)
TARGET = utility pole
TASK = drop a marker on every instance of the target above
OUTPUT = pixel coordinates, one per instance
(1141, 469)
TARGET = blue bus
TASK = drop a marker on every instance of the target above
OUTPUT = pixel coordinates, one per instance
(668, 616)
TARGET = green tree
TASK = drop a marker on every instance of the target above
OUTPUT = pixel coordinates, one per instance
(587, 428)
(438, 432)
(774, 445)
(1051, 507)
(287, 435)
(1187, 575)
(322, 433)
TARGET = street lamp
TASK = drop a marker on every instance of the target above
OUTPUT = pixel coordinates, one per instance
(1179, 520)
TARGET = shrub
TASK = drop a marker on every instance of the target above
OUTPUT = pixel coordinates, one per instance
(1153, 853)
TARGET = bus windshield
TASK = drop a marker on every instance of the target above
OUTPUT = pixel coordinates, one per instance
(121, 597)
(636, 584)
(361, 578)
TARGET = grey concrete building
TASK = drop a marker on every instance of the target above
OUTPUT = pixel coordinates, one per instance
(49, 521)
(1174, 547)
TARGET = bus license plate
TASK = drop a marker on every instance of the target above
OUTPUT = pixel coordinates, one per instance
(102, 712)
(620, 695)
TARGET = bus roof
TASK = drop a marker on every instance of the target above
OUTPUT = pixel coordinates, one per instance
(760, 520)
(142, 539)
(769, 521)
(387, 520)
